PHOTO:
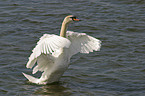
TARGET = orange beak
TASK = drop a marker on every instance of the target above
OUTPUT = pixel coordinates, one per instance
(76, 19)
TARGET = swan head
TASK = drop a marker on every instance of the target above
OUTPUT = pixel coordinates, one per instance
(70, 18)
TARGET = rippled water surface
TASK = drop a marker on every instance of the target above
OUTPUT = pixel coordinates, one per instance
(118, 69)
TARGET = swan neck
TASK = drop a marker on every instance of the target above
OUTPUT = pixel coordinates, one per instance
(63, 29)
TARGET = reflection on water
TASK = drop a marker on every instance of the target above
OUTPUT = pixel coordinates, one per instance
(53, 89)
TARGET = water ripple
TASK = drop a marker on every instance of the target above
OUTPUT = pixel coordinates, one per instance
(116, 70)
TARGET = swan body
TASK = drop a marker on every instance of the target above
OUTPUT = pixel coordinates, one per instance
(52, 53)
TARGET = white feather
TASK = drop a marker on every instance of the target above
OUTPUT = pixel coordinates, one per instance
(46, 45)
(80, 42)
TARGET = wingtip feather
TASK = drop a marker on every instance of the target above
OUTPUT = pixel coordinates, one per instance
(31, 78)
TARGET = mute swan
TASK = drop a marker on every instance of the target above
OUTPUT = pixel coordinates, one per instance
(52, 53)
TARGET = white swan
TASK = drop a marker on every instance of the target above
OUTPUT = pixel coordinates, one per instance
(52, 53)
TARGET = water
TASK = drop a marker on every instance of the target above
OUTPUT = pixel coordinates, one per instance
(117, 70)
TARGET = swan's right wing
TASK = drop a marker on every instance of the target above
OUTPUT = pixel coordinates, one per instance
(47, 45)
(83, 43)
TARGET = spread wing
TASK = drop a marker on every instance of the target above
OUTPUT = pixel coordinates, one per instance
(80, 42)
(43, 52)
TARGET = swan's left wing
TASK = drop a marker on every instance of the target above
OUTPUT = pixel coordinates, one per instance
(48, 45)
(80, 42)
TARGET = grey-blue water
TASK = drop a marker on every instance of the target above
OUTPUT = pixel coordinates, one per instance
(118, 69)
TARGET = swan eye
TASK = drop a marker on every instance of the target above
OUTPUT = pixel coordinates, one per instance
(73, 18)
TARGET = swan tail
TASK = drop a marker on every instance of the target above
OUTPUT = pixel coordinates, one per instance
(31, 78)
